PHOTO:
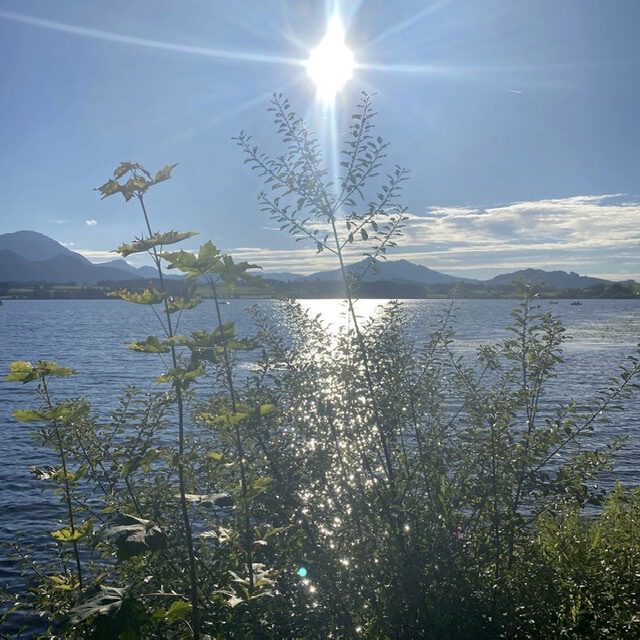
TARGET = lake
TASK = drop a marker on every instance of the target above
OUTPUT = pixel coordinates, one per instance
(90, 336)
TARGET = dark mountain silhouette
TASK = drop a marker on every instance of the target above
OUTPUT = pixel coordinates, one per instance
(29, 256)
(546, 279)
(283, 276)
(32, 245)
(143, 272)
(391, 270)
(61, 269)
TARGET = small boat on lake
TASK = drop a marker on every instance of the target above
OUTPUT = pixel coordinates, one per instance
(576, 303)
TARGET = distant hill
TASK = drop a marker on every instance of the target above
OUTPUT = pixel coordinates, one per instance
(282, 276)
(29, 256)
(61, 269)
(546, 279)
(143, 272)
(32, 245)
(392, 270)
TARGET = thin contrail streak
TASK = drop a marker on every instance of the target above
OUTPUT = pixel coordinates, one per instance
(110, 36)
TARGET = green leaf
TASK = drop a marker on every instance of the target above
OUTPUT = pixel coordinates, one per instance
(136, 185)
(22, 371)
(122, 168)
(164, 173)
(232, 272)
(179, 610)
(67, 535)
(182, 304)
(180, 375)
(226, 419)
(207, 260)
(31, 415)
(265, 409)
(112, 612)
(215, 455)
(103, 601)
(109, 188)
(62, 582)
(156, 240)
(152, 344)
(213, 499)
(260, 485)
(148, 296)
(133, 536)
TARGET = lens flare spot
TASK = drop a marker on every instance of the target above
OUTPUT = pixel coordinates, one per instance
(302, 572)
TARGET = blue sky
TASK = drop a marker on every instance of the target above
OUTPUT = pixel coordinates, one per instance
(518, 118)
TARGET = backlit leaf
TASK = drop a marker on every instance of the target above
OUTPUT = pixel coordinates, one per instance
(109, 188)
(152, 344)
(164, 173)
(179, 610)
(67, 535)
(156, 240)
(22, 371)
(179, 374)
(133, 536)
(148, 296)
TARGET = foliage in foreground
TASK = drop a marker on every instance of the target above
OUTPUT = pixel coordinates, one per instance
(359, 485)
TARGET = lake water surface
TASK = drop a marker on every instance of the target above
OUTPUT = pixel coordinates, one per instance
(90, 336)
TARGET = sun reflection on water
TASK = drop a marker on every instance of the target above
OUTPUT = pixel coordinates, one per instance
(334, 314)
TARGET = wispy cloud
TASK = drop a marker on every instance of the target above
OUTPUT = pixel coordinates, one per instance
(595, 234)
(91, 222)
(96, 255)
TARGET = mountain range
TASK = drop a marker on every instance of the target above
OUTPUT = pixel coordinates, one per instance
(29, 256)
(406, 272)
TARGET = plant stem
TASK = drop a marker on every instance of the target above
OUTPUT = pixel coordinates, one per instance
(193, 579)
(248, 530)
(67, 488)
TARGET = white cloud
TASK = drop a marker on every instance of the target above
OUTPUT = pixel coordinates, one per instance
(91, 222)
(594, 234)
(95, 255)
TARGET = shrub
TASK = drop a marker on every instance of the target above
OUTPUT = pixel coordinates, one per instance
(362, 484)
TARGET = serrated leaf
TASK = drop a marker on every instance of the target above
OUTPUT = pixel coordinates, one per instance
(67, 535)
(179, 610)
(31, 415)
(133, 536)
(22, 371)
(148, 296)
(62, 582)
(213, 499)
(156, 240)
(179, 374)
(109, 188)
(152, 344)
(182, 304)
(164, 173)
(207, 260)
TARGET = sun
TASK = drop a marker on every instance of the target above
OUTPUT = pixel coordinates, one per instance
(330, 65)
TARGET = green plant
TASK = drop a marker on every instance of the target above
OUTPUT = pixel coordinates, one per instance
(359, 484)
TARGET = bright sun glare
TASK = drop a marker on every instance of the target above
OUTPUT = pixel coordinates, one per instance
(330, 64)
